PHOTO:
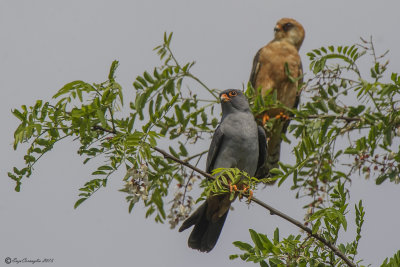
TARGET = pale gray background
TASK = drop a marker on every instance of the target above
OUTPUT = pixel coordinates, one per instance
(45, 44)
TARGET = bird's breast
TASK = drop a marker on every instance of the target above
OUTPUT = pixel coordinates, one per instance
(240, 145)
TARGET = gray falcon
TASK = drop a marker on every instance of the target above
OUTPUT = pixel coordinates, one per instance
(237, 143)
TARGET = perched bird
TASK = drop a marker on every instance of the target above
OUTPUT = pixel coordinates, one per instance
(277, 66)
(237, 143)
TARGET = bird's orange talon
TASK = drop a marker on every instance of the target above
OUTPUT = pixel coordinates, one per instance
(230, 187)
(265, 119)
(250, 195)
(235, 187)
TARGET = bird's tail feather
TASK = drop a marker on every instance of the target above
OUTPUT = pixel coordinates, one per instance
(274, 154)
(205, 233)
(274, 148)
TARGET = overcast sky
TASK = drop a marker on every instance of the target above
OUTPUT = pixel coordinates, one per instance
(46, 44)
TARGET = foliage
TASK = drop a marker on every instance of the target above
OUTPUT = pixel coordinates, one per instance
(161, 109)
(330, 129)
(392, 262)
(347, 125)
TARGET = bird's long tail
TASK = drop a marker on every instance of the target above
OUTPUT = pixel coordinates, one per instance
(205, 233)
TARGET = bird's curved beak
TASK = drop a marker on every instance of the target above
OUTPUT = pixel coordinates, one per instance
(225, 98)
(277, 28)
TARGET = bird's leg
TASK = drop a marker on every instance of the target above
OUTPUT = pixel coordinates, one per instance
(244, 189)
(232, 187)
(250, 195)
(265, 118)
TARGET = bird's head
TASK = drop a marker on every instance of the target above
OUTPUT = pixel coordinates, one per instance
(233, 100)
(289, 30)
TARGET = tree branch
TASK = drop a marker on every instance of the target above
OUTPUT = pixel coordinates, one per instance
(332, 247)
(184, 163)
(97, 127)
(272, 210)
(345, 118)
(195, 156)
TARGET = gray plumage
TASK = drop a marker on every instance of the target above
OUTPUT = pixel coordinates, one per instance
(237, 142)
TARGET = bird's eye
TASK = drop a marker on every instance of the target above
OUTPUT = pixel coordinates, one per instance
(232, 93)
(287, 26)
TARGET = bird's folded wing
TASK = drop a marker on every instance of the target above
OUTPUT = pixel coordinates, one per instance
(214, 149)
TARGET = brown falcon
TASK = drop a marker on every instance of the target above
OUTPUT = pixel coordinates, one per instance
(271, 67)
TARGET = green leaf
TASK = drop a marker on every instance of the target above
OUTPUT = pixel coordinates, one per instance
(243, 246)
(100, 115)
(105, 167)
(113, 68)
(137, 85)
(316, 226)
(170, 87)
(321, 105)
(276, 236)
(79, 202)
(381, 179)
(99, 173)
(179, 114)
(232, 257)
(19, 115)
(150, 211)
(352, 151)
(392, 262)
(134, 139)
(141, 80)
(73, 87)
(256, 239)
(204, 117)
(131, 205)
(355, 111)
(186, 105)
(173, 152)
(148, 77)
(182, 149)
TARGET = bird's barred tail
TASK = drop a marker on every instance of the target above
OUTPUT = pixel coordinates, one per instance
(273, 154)
(274, 149)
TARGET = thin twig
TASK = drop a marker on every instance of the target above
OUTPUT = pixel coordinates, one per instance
(97, 127)
(195, 156)
(202, 84)
(112, 118)
(190, 75)
(191, 175)
(345, 118)
(184, 163)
